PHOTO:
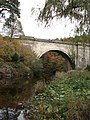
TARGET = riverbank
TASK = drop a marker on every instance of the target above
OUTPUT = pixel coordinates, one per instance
(66, 98)
(16, 59)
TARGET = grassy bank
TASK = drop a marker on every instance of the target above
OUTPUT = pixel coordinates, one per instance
(65, 98)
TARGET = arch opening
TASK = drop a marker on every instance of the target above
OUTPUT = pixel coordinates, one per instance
(67, 58)
(63, 56)
(54, 62)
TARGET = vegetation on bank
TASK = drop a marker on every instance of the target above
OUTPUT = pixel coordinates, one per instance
(78, 39)
(65, 98)
(18, 59)
(15, 58)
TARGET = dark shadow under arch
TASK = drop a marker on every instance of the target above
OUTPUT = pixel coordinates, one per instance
(65, 56)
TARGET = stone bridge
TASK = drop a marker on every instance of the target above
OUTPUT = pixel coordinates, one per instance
(81, 52)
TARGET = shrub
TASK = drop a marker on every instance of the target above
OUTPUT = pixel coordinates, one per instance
(18, 56)
(15, 57)
(67, 98)
(37, 69)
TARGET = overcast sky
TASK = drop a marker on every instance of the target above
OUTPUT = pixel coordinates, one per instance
(31, 27)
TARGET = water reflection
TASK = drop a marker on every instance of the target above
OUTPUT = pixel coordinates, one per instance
(21, 116)
(13, 93)
(9, 114)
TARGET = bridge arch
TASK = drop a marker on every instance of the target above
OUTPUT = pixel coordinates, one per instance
(70, 64)
(41, 46)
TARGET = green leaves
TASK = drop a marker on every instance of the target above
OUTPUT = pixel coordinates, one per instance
(73, 9)
(10, 7)
(65, 99)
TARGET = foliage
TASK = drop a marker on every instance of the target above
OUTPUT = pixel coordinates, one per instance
(52, 62)
(9, 13)
(82, 39)
(67, 98)
(38, 87)
(37, 70)
(20, 69)
(18, 56)
(71, 53)
(15, 57)
(73, 9)
(12, 28)
(11, 6)
(6, 50)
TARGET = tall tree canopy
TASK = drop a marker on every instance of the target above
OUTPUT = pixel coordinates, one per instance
(9, 10)
(12, 28)
(73, 9)
(11, 6)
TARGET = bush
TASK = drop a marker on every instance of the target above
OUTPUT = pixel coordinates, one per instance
(20, 69)
(67, 98)
(19, 57)
(15, 57)
(37, 69)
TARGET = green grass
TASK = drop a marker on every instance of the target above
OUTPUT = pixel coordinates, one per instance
(67, 98)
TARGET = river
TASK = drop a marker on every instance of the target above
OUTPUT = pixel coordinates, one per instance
(13, 94)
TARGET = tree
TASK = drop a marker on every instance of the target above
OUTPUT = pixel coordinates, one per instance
(11, 6)
(13, 27)
(73, 9)
(53, 62)
(9, 9)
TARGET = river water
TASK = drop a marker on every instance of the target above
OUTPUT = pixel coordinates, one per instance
(13, 94)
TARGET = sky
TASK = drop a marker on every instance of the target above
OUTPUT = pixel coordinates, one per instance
(32, 28)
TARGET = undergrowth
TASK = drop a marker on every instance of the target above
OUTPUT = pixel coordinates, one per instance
(67, 98)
